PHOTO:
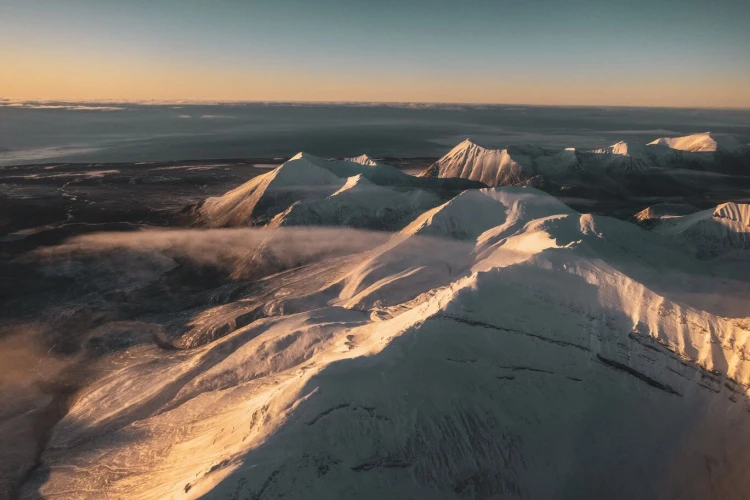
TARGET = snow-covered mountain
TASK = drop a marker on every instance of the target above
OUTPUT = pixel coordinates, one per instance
(323, 188)
(303, 191)
(493, 167)
(361, 204)
(705, 142)
(710, 232)
(363, 159)
(624, 158)
(500, 345)
(621, 166)
(259, 199)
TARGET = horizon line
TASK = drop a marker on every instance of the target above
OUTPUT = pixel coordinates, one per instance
(9, 102)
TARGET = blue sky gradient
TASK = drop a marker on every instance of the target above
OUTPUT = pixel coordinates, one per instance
(675, 53)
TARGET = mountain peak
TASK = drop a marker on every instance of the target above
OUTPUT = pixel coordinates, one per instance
(701, 142)
(363, 159)
(466, 144)
(492, 167)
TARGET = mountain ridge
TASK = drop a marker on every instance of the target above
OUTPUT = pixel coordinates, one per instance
(495, 337)
(621, 162)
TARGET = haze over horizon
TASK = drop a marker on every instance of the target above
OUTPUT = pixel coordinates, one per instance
(581, 52)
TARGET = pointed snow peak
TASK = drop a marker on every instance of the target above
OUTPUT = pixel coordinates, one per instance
(363, 159)
(465, 145)
(492, 167)
(303, 169)
(317, 160)
(703, 142)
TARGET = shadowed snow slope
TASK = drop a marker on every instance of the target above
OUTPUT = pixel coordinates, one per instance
(376, 172)
(501, 345)
(361, 204)
(710, 232)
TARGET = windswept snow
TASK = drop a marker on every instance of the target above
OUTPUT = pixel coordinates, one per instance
(501, 345)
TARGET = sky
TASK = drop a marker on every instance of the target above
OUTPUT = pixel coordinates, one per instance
(556, 52)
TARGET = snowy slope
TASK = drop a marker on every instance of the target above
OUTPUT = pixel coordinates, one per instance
(363, 159)
(710, 232)
(493, 167)
(705, 142)
(309, 190)
(262, 197)
(632, 157)
(359, 203)
(378, 173)
(560, 165)
(501, 345)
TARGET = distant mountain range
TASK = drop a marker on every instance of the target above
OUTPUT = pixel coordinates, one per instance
(665, 164)
(361, 192)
